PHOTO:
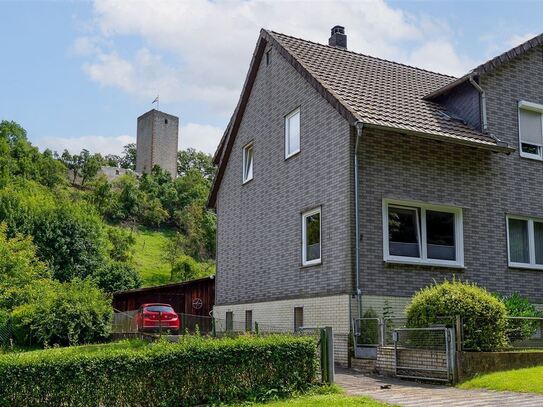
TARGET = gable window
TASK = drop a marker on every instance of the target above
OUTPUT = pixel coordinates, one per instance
(248, 154)
(311, 237)
(530, 117)
(422, 234)
(292, 133)
(268, 57)
(525, 240)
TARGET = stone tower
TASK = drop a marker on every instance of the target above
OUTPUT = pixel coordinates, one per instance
(157, 142)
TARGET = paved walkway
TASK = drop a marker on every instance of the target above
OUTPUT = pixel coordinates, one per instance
(408, 393)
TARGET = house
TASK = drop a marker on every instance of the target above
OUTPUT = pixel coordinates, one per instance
(347, 182)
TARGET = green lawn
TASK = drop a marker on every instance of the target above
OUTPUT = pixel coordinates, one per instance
(521, 380)
(323, 397)
(149, 255)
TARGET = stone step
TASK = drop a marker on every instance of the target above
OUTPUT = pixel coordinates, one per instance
(363, 365)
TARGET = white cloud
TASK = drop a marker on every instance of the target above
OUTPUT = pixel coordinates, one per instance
(95, 144)
(209, 43)
(202, 137)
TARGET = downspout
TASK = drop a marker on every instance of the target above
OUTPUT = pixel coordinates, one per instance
(359, 126)
(483, 102)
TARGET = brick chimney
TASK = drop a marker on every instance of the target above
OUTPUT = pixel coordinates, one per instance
(338, 37)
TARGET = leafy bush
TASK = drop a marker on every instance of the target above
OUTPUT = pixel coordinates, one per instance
(519, 306)
(122, 243)
(195, 371)
(62, 314)
(185, 268)
(369, 328)
(117, 276)
(483, 315)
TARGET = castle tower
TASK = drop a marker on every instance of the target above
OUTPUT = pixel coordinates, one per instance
(157, 139)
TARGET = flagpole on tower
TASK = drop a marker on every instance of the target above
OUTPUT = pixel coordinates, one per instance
(157, 101)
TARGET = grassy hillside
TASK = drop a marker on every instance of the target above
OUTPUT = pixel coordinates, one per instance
(149, 255)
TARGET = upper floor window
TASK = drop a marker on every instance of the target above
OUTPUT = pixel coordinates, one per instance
(525, 240)
(292, 133)
(248, 154)
(530, 116)
(311, 237)
(422, 234)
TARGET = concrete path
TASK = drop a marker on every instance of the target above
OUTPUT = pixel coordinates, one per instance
(408, 393)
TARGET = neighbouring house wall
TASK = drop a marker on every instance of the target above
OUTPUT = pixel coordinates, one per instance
(487, 186)
(278, 316)
(259, 223)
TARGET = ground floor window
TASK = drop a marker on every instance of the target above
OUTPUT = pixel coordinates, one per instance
(422, 233)
(311, 237)
(298, 318)
(525, 240)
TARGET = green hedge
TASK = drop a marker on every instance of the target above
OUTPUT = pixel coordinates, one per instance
(194, 371)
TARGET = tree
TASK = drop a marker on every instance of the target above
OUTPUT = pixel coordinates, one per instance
(122, 243)
(185, 268)
(128, 157)
(116, 276)
(112, 160)
(190, 159)
(90, 165)
(19, 267)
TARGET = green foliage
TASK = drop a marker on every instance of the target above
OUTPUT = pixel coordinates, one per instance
(519, 306)
(69, 236)
(128, 157)
(122, 243)
(19, 267)
(483, 315)
(18, 158)
(185, 268)
(62, 314)
(190, 159)
(195, 371)
(369, 328)
(117, 276)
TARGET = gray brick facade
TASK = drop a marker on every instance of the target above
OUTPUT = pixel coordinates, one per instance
(259, 223)
(486, 185)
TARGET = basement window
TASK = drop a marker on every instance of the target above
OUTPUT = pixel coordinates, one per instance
(311, 237)
(229, 321)
(248, 320)
(248, 155)
(525, 241)
(417, 233)
(298, 318)
(530, 117)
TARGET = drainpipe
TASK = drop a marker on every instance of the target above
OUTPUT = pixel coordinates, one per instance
(483, 101)
(359, 126)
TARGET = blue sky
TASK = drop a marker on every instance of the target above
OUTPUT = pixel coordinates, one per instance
(77, 74)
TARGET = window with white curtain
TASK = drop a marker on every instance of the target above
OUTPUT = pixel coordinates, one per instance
(248, 154)
(420, 233)
(311, 237)
(292, 133)
(525, 239)
(530, 117)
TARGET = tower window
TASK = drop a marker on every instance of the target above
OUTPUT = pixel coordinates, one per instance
(165, 121)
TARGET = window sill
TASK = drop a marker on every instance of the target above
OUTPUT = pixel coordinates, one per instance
(425, 263)
(534, 267)
(292, 155)
(307, 266)
(531, 157)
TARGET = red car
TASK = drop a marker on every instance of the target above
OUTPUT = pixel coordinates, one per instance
(157, 317)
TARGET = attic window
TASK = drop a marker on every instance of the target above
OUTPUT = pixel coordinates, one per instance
(530, 117)
(268, 57)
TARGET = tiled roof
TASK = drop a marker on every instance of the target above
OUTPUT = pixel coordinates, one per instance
(381, 93)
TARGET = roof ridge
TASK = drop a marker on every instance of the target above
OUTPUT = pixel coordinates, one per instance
(271, 32)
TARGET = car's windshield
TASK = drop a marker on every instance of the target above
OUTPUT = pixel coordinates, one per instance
(159, 308)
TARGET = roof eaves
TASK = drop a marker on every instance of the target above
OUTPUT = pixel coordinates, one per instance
(492, 145)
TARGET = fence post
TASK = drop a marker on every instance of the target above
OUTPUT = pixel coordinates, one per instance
(327, 355)
(458, 333)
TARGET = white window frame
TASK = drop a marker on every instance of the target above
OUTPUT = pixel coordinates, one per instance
(287, 133)
(247, 147)
(534, 107)
(423, 259)
(531, 243)
(313, 262)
